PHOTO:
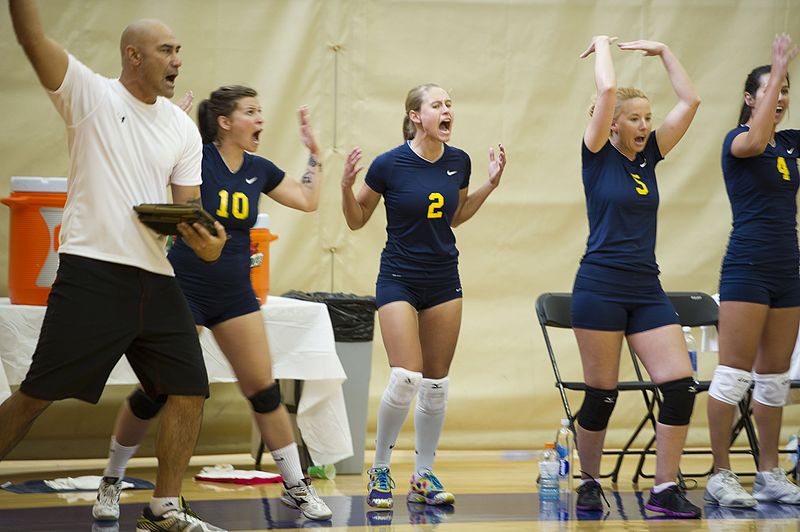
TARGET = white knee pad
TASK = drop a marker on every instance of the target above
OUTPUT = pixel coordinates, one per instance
(433, 396)
(402, 388)
(729, 385)
(771, 389)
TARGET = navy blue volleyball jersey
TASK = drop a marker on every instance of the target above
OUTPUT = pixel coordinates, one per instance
(421, 198)
(232, 198)
(762, 191)
(621, 204)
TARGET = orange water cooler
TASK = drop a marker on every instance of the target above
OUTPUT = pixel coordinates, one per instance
(37, 205)
(260, 238)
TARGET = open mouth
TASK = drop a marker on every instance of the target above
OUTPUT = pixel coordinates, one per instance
(444, 125)
(256, 136)
(640, 139)
(171, 79)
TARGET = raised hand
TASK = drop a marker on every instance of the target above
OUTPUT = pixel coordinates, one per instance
(647, 47)
(186, 102)
(351, 168)
(783, 51)
(597, 39)
(307, 132)
(496, 165)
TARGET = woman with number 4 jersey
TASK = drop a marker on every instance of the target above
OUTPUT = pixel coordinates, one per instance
(759, 286)
(424, 183)
(220, 294)
(617, 292)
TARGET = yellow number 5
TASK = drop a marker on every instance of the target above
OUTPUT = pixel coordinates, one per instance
(437, 202)
(642, 188)
(783, 169)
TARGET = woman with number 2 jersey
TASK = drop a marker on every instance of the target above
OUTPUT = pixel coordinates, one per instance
(759, 288)
(220, 294)
(424, 184)
(617, 292)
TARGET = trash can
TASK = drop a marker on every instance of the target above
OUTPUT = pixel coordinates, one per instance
(353, 321)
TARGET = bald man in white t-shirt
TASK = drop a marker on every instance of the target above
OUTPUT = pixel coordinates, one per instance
(115, 290)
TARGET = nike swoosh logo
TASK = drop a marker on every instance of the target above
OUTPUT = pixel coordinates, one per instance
(251, 180)
(790, 151)
(643, 164)
(452, 172)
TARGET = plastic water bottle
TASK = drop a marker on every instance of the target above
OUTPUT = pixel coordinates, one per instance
(565, 445)
(549, 486)
(691, 346)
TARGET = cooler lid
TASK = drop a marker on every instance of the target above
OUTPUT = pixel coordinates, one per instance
(38, 184)
(262, 222)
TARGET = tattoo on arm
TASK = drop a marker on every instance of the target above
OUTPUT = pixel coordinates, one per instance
(308, 176)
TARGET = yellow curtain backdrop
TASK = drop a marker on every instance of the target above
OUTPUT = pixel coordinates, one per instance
(513, 72)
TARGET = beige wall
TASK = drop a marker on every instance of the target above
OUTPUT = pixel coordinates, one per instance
(513, 71)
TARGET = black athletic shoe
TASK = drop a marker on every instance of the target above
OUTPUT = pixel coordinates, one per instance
(589, 497)
(672, 502)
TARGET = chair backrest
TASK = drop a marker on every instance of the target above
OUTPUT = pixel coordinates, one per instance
(553, 309)
(695, 309)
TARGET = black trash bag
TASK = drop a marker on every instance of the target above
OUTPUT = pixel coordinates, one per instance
(352, 316)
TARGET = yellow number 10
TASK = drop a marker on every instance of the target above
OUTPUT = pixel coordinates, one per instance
(437, 201)
(241, 206)
(783, 169)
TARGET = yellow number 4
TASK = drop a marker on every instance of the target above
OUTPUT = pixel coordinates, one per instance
(642, 188)
(437, 202)
(783, 169)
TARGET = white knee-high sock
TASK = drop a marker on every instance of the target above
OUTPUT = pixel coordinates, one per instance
(118, 458)
(288, 461)
(392, 412)
(429, 419)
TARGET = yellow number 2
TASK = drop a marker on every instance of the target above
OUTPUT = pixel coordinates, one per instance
(642, 188)
(783, 169)
(437, 202)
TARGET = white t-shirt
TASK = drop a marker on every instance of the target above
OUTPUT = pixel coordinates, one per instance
(122, 152)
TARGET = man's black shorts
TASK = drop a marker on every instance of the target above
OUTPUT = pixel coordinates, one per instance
(99, 310)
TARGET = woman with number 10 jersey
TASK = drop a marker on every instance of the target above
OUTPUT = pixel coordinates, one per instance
(617, 292)
(220, 294)
(424, 184)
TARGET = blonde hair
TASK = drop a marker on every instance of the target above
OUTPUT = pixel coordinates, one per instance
(623, 94)
(414, 100)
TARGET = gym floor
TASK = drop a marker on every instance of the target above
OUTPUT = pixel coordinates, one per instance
(495, 490)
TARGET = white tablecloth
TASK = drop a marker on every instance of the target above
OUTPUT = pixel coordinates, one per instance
(302, 345)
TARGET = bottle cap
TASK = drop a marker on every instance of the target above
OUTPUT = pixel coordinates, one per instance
(549, 445)
(686, 329)
(565, 422)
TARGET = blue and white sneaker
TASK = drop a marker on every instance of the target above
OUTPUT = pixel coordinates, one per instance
(379, 488)
(426, 488)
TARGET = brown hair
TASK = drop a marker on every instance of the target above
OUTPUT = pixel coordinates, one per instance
(222, 102)
(623, 93)
(751, 85)
(414, 103)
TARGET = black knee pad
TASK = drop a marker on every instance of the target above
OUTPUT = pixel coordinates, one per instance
(597, 408)
(267, 400)
(676, 409)
(143, 406)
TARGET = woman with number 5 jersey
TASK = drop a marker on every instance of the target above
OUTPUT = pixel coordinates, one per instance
(617, 292)
(424, 183)
(220, 294)
(759, 286)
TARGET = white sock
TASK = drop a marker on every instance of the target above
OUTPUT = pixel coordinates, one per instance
(429, 419)
(390, 420)
(661, 487)
(161, 505)
(288, 461)
(118, 458)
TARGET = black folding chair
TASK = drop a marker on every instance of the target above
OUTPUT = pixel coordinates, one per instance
(695, 309)
(553, 310)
